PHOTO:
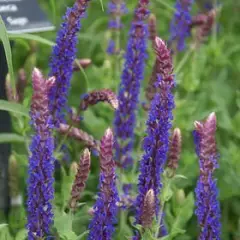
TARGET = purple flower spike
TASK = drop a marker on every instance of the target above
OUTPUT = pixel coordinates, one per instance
(41, 162)
(63, 55)
(208, 207)
(105, 209)
(116, 9)
(133, 73)
(156, 143)
(180, 25)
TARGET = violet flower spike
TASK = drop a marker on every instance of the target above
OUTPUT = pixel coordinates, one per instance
(41, 162)
(62, 59)
(156, 143)
(105, 209)
(180, 25)
(80, 179)
(208, 207)
(116, 9)
(128, 95)
(162, 66)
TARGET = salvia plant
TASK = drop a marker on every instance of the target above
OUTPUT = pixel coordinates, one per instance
(121, 179)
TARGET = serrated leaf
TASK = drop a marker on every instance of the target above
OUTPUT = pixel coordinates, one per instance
(183, 215)
(14, 108)
(10, 138)
(33, 37)
(8, 53)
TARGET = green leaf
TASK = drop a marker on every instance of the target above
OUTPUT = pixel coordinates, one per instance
(8, 53)
(33, 37)
(63, 224)
(10, 138)
(101, 2)
(4, 232)
(3, 225)
(82, 235)
(183, 214)
(14, 108)
(21, 235)
(67, 181)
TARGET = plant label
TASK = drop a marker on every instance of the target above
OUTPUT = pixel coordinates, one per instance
(24, 16)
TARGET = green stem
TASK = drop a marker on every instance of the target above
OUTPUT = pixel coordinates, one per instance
(169, 7)
(184, 60)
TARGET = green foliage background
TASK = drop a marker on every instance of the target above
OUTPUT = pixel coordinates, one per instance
(208, 81)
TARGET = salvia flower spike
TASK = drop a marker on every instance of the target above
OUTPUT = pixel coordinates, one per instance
(104, 95)
(133, 73)
(41, 162)
(62, 59)
(174, 150)
(80, 178)
(105, 209)
(84, 63)
(116, 8)
(162, 66)
(180, 25)
(148, 209)
(156, 142)
(152, 27)
(208, 207)
(204, 24)
(21, 84)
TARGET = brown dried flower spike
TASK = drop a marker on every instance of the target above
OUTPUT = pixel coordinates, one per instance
(148, 209)
(174, 150)
(80, 179)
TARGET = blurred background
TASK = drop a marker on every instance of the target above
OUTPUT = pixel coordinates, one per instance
(207, 81)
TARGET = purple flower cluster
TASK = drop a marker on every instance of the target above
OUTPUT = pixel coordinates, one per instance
(156, 143)
(180, 25)
(208, 208)
(116, 8)
(41, 162)
(105, 209)
(63, 55)
(133, 73)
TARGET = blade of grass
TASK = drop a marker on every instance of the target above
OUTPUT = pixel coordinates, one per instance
(168, 6)
(14, 108)
(8, 53)
(101, 2)
(31, 37)
(53, 6)
(10, 138)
